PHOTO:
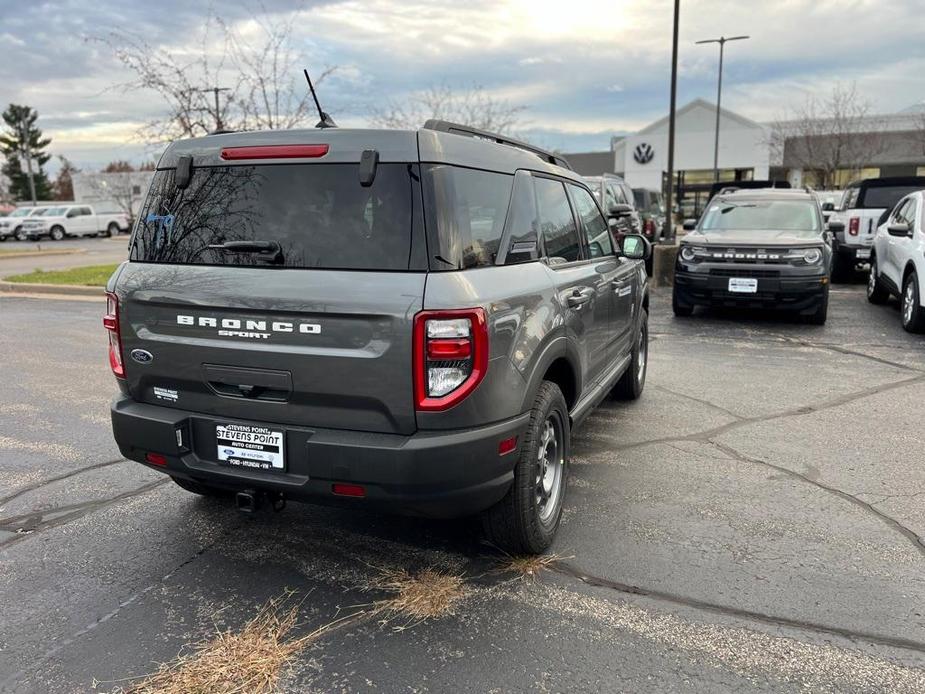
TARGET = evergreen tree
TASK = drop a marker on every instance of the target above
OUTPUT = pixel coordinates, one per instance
(64, 183)
(20, 136)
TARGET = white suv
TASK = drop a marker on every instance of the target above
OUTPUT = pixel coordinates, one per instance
(897, 264)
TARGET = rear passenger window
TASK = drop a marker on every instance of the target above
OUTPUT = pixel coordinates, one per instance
(593, 222)
(465, 211)
(522, 224)
(560, 234)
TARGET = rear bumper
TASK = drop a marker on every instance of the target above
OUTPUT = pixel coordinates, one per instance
(440, 474)
(790, 293)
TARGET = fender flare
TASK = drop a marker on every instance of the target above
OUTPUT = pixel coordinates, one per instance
(557, 347)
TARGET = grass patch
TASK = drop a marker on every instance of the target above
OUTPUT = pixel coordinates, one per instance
(528, 567)
(418, 597)
(89, 276)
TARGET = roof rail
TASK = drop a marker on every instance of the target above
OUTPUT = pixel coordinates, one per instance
(468, 131)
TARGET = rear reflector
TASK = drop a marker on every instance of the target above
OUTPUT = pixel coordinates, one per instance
(507, 445)
(156, 459)
(348, 489)
(274, 152)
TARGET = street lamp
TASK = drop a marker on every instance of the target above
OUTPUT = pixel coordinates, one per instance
(719, 93)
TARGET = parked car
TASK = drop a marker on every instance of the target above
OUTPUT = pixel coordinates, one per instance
(897, 261)
(447, 307)
(756, 248)
(74, 220)
(651, 208)
(616, 197)
(862, 210)
(11, 226)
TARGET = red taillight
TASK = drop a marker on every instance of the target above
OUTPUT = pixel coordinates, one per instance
(111, 323)
(649, 227)
(274, 152)
(450, 356)
(156, 459)
(348, 489)
(854, 226)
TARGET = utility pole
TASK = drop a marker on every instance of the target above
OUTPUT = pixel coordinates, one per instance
(671, 115)
(218, 113)
(719, 94)
(25, 150)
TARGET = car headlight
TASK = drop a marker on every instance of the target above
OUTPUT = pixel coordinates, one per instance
(687, 253)
(812, 256)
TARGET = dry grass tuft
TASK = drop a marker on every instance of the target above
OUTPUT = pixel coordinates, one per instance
(528, 567)
(419, 597)
(249, 661)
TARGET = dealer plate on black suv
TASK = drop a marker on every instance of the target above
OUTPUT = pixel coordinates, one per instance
(743, 285)
(246, 446)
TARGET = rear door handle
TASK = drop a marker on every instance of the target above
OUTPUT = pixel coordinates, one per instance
(579, 298)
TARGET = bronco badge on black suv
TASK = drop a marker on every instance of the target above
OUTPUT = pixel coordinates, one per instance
(406, 320)
(758, 249)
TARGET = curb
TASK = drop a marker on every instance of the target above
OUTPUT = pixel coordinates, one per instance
(66, 289)
(37, 254)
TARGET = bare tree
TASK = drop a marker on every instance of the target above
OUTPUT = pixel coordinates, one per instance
(829, 135)
(260, 79)
(472, 106)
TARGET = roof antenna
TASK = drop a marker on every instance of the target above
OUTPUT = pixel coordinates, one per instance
(326, 120)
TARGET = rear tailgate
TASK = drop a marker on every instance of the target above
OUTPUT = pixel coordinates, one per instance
(301, 347)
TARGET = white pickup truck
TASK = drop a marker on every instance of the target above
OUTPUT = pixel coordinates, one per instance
(74, 220)
(862, 210)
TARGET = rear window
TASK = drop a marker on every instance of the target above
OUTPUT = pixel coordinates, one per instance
(875, 197)
(465, 211)
(317, 216)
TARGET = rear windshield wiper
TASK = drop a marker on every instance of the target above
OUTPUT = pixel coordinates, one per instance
(270, 249)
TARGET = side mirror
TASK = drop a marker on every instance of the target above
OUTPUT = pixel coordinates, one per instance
(621, 210)
(828, 206)
(635, 247)
(899, 229)
(835, 226)
(690, 224)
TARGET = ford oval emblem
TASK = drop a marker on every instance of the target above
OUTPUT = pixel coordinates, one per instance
(142, 356)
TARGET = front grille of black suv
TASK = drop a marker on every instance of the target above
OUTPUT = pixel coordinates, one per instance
(719, 272)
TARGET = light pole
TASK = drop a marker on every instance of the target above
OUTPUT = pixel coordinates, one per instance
(722, 40)
(669, 212)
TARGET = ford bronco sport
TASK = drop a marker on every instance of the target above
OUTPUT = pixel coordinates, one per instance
(407, 320)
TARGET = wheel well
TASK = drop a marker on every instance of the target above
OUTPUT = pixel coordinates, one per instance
(645, 301)
(910, 268)
(561, 373)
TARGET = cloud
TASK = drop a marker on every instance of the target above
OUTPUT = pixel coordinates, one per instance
(584, 70)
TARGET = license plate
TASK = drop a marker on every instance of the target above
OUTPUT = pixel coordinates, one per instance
(743, 285)
(253, 447)
(863, 253)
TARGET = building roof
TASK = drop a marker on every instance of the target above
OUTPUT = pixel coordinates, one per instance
(701, 103)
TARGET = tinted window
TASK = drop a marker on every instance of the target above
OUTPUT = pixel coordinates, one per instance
(556, 221)
(884, 196)
(319, 215)
(465, 211)
(754, 215)
(616, 194)
(593, 222)
(522, 223)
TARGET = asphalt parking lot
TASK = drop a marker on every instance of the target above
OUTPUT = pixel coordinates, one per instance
(755, 521)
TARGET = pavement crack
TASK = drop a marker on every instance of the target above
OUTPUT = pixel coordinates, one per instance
(848, 352)
(702, 401)
(566, 569)
(917, 542)
(52, 480)
(26, 525)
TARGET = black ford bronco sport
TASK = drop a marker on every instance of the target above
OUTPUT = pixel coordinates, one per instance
(406, 320)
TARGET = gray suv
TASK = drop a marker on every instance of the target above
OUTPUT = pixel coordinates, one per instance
(406, 320)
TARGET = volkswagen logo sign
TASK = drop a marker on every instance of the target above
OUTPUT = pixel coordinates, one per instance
(142, 356)
(643, 153)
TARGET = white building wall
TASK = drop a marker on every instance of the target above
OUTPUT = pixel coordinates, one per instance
(118, 190)
(743, 145)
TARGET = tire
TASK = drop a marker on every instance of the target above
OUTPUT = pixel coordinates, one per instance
(913, 315)
(822, 312)
(112, 230)
(2, 238)
(633, 380)
(20, 235)
(57, 233)
(876, 292)
(681, 310)
(526, 519)
(201, 489)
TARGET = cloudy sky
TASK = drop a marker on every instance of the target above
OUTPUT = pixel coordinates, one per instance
(583, 69)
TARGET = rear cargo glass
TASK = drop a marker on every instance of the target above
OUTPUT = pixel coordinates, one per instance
(875, 197)
(319, 215)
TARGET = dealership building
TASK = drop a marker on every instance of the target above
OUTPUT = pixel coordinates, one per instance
(747, 151)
